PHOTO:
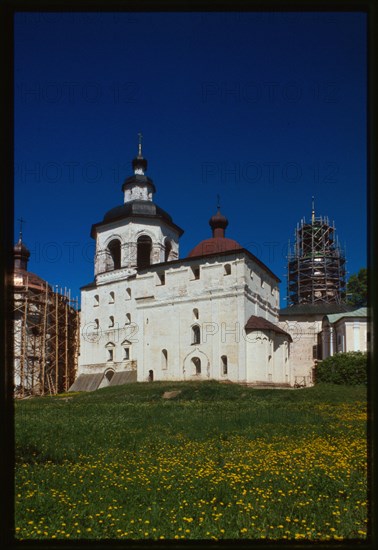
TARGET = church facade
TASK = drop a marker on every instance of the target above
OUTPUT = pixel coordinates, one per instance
(151, 315)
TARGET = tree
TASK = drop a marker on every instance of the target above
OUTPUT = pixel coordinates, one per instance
(357, 289)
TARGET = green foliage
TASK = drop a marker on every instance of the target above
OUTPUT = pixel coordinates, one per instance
(357, 288)
(343, 368)
(219, 461)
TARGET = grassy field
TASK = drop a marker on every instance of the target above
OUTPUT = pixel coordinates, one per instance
(219, 461)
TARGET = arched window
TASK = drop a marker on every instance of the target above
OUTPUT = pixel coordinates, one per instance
(128, 293)
(167, 249)
(196, 334)
(224, 364)
(96, 301)
(114, 248)
(111, 321)
(108, 375)
(164, 359)
(150, 375)
(196, 362)
(195, 313)
(111, 297)
(128, 319)
(227, 269)
(97, 324)
(144, 247)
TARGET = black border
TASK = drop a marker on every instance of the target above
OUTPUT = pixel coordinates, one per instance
(8, 9)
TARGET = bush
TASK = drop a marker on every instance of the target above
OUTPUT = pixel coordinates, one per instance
(343, 368)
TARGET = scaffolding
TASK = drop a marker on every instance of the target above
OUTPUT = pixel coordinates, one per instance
(46, 328)
(316, 264)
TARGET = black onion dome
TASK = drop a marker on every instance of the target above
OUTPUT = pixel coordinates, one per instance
(139, 162)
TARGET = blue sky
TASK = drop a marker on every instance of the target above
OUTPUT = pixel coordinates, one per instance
(264, 109)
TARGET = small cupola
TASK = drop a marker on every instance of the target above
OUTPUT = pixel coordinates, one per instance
(21, 254)
(218, 224)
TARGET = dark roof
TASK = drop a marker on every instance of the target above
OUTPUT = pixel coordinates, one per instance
(136, 209)
(258, 323)
(215, 245)
(315, 309)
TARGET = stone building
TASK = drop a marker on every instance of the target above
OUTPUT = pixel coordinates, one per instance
(151, 315)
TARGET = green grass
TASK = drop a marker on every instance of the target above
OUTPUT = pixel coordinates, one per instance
(218, 461)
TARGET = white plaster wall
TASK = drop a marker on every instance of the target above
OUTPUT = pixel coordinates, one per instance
(304, 332)
(162, 316)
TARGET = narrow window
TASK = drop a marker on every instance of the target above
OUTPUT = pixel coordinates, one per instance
(128, 319)
(144, 247)
(128, 293)
(164, 359)
(97, 324)
(224, 364)
(111, 321)
(167, 250)
(126, 354)
(150, 375)
(96, 301)
(195, 313)
(114, 248)
(315, 352)
(161, 277)
(196, 334)
(227, 269)
(110, 351)
(195, 272)
(111, 298)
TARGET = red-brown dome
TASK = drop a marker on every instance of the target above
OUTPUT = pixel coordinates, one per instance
(218, 243)
(214, 245)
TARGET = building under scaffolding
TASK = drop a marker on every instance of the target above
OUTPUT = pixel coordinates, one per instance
(316, 265)
(46, 328)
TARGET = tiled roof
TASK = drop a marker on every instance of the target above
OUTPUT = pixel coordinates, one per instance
(258, 323)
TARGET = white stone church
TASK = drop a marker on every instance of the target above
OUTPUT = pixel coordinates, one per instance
(151, 315)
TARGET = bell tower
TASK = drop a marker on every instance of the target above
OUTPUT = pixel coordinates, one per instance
(136, 234)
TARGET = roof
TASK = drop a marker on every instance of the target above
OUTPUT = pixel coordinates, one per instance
(323, 308)
(214, 245)
(29, 279)
(360, 312)
(136, 209)
(258, 323)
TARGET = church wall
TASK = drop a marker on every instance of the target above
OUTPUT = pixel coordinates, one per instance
(163, 313)
(262, 293)
(304, 332)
